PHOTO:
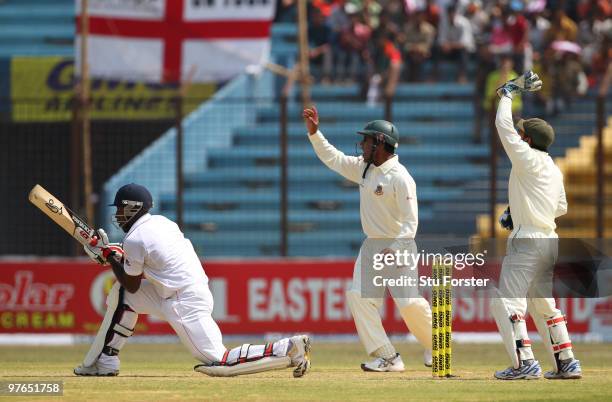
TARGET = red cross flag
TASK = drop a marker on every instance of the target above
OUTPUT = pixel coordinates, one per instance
(164, 40)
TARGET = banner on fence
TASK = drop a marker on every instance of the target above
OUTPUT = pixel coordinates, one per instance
(43, 89)
(250, 298)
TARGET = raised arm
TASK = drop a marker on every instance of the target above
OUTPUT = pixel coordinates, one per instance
(520, 153)
(350, 167)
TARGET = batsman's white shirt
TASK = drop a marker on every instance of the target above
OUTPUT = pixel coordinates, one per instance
(388, 200)
(155, 246)
(536, 191)
(175, 288)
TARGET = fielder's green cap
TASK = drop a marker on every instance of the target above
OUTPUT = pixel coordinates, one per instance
(384, 127)
(541, 133)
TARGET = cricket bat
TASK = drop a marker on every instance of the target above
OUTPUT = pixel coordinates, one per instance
(62, 215)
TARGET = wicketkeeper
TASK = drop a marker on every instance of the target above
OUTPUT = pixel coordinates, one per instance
(537, 197)
(388, 205)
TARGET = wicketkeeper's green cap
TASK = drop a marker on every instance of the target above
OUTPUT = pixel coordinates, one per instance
(541, 133)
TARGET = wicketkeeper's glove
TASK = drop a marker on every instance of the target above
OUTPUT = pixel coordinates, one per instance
(528, 82)
(505, 220)
(100, 249)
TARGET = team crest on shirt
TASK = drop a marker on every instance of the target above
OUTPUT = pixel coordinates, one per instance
(379, 190)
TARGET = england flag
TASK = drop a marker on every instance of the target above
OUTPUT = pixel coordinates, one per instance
(165, 41)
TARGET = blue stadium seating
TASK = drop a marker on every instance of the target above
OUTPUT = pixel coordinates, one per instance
(232, 198)
(37, 28)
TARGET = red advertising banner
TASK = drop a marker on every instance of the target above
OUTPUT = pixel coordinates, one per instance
(68, 296)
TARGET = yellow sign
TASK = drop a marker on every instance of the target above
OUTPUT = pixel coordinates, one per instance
(29, 320)
(43, 89)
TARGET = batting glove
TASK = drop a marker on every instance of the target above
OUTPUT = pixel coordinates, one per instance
(100, 249)
(528, 82)
(506, 220)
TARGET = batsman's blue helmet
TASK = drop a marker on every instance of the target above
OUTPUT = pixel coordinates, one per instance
(135, 193)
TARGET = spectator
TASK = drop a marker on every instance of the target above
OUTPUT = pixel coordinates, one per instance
(320, 52)
(518, 29)
(589, 7)
(286, 11)
(479, 20)
(595, 36)
(419, 38)
(497, 78)
(543, 66)
(562, 28)
(354, 41)
(586, 37)
(500, 40)
(456, 39)
(538, 26)
(371, 11)
(395, 12)
(433, 13)
(601, 61)
(325, 7)
(569, 81)
(338, 22)
(387, 62)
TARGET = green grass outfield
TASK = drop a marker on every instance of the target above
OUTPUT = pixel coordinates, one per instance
(165, 372)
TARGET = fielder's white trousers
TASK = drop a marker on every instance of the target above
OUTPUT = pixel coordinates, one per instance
(415, 310)
(527, 271)
(526, 284)
(188, 311)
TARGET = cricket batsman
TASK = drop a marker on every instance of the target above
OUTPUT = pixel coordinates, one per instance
(160, 274)
(537, 197)
(388, 208)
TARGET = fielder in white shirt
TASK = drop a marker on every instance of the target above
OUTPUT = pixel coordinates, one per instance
(537, 197)
(388, 209)
(159, 273)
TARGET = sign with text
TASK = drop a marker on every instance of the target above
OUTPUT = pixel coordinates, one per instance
(43, 89)
(250, 298)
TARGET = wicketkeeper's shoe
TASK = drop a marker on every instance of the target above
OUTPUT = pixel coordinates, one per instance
(531, 371)
(570, 370)
(380, 364)
(300, 354)
(427, 358)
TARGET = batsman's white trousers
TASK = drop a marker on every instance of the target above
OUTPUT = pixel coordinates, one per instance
(188, 311)
(415, 310)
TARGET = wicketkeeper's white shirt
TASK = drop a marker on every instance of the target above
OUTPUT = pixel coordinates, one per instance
(388, 198)
(536, 191)
(155, 246)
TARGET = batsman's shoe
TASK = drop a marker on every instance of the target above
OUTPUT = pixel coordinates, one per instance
(380, 365)
(104, 366)
(531, 371)
(427, 358)
(567, 371)
(300, 354)
(96, 370)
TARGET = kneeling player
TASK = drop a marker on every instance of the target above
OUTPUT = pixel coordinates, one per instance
(174, 288)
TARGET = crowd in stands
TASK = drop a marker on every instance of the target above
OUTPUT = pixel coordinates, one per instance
(382, 42)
